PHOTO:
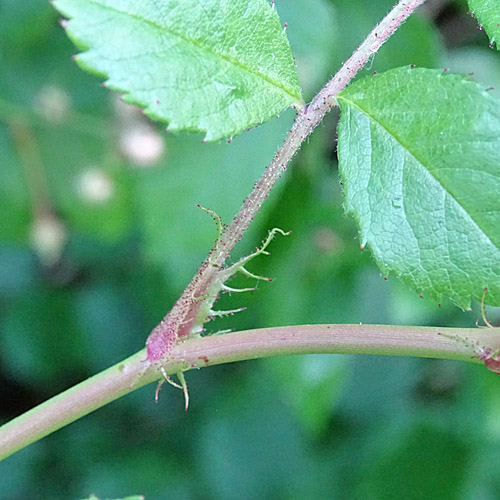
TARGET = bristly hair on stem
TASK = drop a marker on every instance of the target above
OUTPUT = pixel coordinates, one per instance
(184, 317)
(164, 337)
(200, 298)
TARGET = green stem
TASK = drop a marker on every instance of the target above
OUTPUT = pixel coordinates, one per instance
(129, 375)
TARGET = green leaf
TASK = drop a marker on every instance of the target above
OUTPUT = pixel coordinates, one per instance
(487, 13)
(439, 461)
(217, 66)
(419, 153)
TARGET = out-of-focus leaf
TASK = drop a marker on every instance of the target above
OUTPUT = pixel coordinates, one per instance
(53, 143)
(417, 42)
(106, 329)
(415, 466)
(22, 24)
(311, 386)
(419, 152)
(18, 270)
(483, 64)
(134, 497)
(40, 335)
(217, 67)
(231, 444)
(313, 50)
(487, 13)
(14, 195)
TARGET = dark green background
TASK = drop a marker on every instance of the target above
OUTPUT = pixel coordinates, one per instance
(287, 428)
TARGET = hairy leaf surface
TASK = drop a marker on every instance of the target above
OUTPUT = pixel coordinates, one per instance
(214, 66)
(419, 154)
(487, 13)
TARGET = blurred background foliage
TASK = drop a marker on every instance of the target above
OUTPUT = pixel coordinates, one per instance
(100, 233)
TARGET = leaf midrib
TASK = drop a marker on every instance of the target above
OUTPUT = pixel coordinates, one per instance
(221, 55)
(420, 162)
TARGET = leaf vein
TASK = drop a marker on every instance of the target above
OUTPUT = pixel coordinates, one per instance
(420, 162)
(175, 34)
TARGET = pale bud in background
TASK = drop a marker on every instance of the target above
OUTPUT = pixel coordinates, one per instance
(53, 103)
(48, 237)
(327, 241)
(95, 186)
(141, 144)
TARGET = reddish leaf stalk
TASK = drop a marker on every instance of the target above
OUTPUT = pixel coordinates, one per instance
(177, 324)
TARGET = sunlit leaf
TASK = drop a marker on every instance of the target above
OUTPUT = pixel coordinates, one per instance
(419, 153)
(218, 66)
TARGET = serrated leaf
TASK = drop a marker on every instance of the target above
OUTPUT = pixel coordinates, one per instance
(217, 66)
(487, 13)
(419, 154)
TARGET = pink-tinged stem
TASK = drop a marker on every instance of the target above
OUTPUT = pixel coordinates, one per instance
(309, 118)
(178, 322)
(125, 377)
